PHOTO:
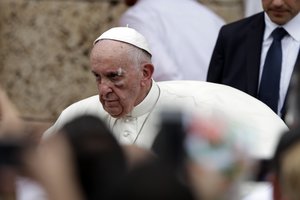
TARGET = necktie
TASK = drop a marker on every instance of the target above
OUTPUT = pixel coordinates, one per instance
(270, 80)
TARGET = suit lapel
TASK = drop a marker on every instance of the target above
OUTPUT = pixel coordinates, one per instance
(254, 46)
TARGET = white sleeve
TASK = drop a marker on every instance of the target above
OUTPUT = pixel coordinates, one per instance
(88, 106)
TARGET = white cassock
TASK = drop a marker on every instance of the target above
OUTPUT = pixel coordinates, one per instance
(141, 126)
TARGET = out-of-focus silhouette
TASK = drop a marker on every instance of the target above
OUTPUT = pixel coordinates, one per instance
(286, 165)
(180, 33)
(100, 162)
(152, 180)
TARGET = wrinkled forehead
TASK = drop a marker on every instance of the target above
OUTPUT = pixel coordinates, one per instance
(109, 47)
(110, 55)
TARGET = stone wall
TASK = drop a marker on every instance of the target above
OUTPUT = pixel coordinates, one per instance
(44, 47)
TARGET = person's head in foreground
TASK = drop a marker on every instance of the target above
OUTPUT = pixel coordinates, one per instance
(286, 176)
(100, 162)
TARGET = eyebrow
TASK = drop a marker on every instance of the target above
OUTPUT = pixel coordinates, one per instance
(118, 72)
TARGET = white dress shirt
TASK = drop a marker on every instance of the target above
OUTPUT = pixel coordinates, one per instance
(290, 49)
(181, 35)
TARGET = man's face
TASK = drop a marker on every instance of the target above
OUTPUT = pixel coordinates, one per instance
(119, 81)
(281, 11)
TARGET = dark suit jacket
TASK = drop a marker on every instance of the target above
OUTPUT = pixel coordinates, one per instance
(236, 56)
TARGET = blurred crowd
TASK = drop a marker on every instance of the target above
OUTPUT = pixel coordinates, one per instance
(194, 158)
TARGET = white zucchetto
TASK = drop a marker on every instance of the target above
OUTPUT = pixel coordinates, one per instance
(127, 35)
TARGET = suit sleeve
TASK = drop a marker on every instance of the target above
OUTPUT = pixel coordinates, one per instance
(216, 64)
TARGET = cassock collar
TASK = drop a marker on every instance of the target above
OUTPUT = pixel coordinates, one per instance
(148, 103)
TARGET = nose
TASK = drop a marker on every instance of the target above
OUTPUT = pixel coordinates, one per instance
(277, 2)
(104, 89)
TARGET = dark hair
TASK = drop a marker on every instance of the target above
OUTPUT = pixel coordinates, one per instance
(286, 142)
(152, 180)
(99, 160)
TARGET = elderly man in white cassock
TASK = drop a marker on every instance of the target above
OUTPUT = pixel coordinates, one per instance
(130, 101)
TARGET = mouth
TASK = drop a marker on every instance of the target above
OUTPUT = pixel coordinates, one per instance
(111, 103)
(277, 12)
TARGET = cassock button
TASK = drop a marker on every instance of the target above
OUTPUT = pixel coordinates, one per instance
(126, 133)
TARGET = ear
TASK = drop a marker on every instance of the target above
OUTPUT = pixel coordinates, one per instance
(147, 71)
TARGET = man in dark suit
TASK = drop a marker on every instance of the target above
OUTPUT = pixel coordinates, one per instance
(241, 50)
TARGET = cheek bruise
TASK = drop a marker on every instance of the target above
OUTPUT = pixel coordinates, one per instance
(119, 83)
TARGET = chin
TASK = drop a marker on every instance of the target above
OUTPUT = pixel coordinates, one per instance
(279, 19)
(115, 115)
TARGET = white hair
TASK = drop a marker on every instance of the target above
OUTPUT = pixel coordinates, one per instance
(137, 55)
